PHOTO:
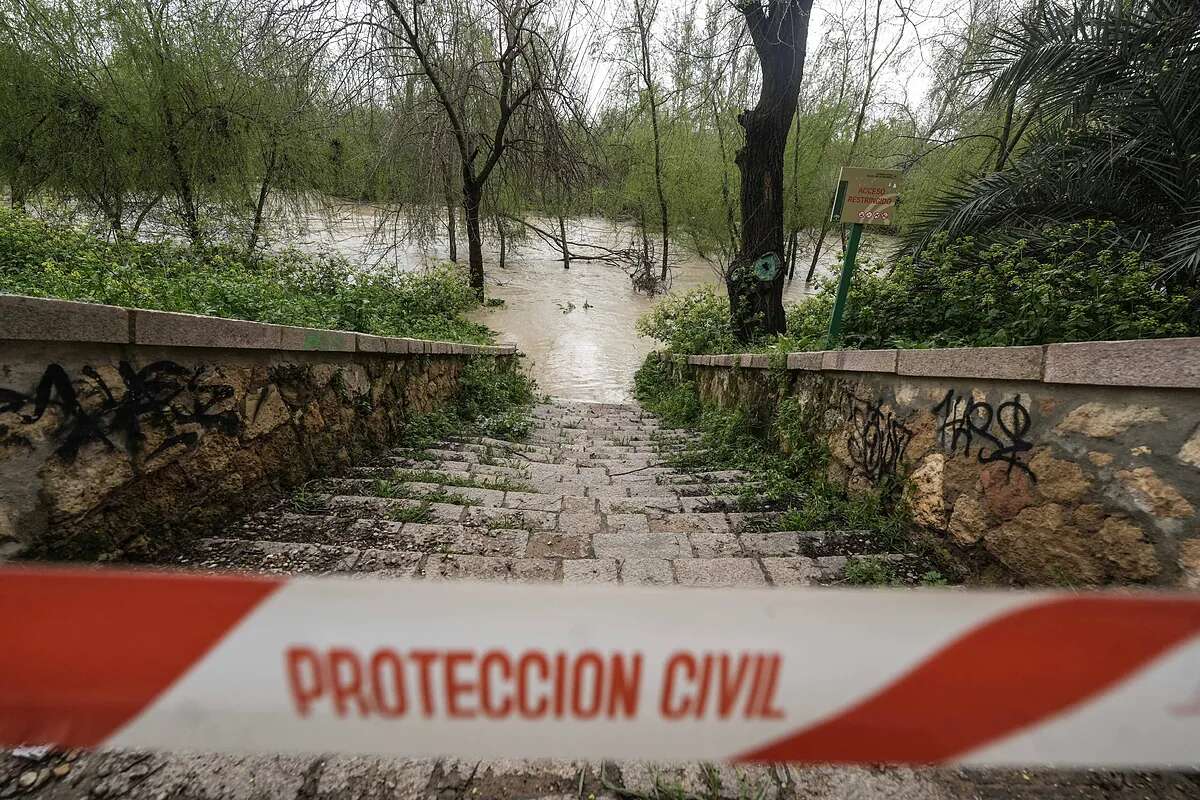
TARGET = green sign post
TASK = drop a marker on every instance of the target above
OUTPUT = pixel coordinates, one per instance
(864, 197)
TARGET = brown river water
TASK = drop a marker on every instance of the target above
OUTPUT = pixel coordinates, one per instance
(575, 326)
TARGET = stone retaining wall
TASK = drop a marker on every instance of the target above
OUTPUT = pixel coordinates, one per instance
(120, 427)
(1075, 464)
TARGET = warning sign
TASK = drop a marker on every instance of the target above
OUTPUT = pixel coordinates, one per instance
(867, 196)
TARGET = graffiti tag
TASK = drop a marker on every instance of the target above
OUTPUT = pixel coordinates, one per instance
(164, 393)
(877, 438)
(996, 433)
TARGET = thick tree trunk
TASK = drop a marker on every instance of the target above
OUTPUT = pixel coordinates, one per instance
(779, 31)
(472, 199)
(757, 305)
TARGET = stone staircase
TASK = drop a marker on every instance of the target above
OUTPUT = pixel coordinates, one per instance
(588, 497)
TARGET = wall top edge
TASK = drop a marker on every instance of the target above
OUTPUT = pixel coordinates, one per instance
(1148, 363)
(45, 319)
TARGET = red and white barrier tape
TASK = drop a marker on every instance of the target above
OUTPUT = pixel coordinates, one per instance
(93, 658)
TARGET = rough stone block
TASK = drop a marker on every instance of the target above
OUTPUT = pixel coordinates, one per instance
(641, 545)
(809, 361)
(724, 361)
(859, 360)
(628, 523)
(387, 564)
(193, 330)
(40, 319)
(794, 571)
(316, 339)
(1168, 363)
(553, 544)
(754, 360)
(399, 346)
(367, 343)
(531, 501)
(715, 544)
(714, 572)
(579, 523)
(647, 572)
(687, 523)
(771, 543)
(989, 363)
(590, 570)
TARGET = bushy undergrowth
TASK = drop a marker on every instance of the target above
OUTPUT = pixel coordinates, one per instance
(494, 399)
(290, 288)
(787, 462)
(1067, 284)
(1072, 285)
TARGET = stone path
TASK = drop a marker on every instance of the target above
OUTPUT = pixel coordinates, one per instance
(587, 498)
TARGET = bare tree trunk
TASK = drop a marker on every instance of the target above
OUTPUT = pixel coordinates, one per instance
(648, 79)
(562, 238)
(472, 200)
(779, 34)
(503, 241)
(263, 190)
(451, 214)
(794, 230)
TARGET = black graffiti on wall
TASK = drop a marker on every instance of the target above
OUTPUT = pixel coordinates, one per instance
(996, 433)
(164, 393)
(877, 439)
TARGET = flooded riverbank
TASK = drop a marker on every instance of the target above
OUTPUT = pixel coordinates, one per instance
(576, 326)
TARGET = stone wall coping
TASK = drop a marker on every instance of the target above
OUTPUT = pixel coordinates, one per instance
(50, 320)
(1147, 363)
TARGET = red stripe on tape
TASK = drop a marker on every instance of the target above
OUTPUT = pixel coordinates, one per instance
(84, 652)
(1000, 677)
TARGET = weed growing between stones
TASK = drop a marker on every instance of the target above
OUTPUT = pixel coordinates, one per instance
(867, 571)
(786, 460)
(419, 513)
(305, 501)
(495, 398)
(499, 483)
(391, 490)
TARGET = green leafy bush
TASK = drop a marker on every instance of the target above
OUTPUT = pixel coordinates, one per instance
(695, 322)
(496, 398)
(1071, 285)
(290, 288)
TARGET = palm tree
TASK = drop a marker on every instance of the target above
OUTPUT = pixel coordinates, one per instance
(1112, 88)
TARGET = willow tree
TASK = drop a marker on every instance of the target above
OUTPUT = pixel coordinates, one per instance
(492, 67)
(779, 31)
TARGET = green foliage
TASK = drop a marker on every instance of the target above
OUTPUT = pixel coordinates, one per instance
(499, 482)
(290, 288)
(1111, 90)
(868, 572)
(496, 398)
(1070, 284)
(695, 322)
(420, 513)
(657, 387)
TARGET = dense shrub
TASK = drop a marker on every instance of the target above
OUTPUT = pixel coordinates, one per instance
(291, 287)
(695, 322)
(1072, 286)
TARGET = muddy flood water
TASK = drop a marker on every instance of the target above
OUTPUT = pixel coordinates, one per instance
(575, 326)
